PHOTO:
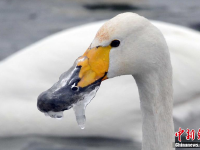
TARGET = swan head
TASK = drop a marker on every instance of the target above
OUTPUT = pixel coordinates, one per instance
(126, 44)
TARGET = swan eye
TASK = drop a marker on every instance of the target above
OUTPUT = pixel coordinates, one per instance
(74, 87)
(115, 43)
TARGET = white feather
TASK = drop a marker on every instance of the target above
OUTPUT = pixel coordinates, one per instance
(115, 111)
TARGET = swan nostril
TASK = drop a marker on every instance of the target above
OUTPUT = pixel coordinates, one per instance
(74, 87)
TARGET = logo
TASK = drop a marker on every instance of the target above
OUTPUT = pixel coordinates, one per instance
(190, 136)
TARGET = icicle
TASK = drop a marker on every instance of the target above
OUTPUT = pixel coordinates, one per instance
(80, 106)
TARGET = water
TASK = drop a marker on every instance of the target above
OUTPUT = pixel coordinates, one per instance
(173, 13)
(80, 106)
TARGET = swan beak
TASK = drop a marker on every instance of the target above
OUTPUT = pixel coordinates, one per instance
(94, 65)
(81, 79)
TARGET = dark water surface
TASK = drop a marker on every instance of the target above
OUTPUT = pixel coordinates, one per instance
(23, 22)
(62, 143)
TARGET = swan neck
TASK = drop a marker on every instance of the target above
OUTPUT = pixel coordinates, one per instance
(155, 90)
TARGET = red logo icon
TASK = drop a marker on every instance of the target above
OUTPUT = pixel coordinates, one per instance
(190, 134)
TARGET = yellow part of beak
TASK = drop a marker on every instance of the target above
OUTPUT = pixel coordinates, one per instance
(94, 65)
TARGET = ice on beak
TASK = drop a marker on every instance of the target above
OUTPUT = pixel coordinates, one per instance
(66, 93)
(53, 114)
(80, 106)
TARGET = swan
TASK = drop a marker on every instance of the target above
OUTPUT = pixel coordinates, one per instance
(25, 74)
(128, 44)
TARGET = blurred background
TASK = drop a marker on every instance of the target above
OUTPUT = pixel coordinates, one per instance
(24, 22)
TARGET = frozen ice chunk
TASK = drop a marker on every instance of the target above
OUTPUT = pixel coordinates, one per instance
(66, 93)
(80, 106)
(53, 114)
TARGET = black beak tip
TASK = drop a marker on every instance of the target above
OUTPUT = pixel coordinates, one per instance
(46, 102)
(41, 102)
